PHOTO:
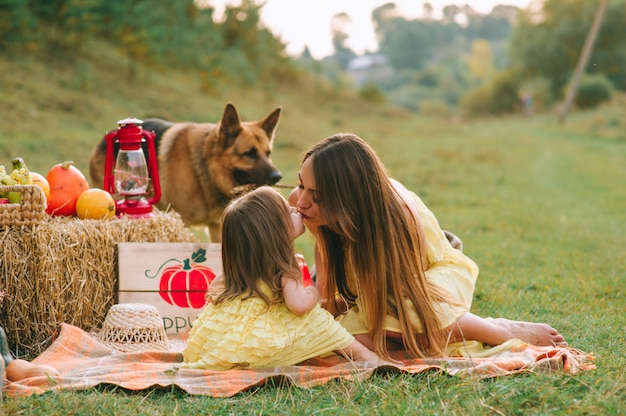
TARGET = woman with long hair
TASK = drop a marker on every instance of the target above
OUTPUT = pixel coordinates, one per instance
(383, 265)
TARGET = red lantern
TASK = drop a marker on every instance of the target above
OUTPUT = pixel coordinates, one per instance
(127, 175)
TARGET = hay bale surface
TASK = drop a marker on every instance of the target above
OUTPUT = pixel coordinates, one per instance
(64, 270)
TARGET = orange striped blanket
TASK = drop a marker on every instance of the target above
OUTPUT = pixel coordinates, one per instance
(84, 362)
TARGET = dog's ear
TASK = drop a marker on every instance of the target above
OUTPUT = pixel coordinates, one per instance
(230, 125)
(270, 122)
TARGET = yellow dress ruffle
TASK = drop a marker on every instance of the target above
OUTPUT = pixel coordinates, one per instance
(247, 333)
(448, 267)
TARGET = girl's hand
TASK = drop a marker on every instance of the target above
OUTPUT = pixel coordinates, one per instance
(298, 224)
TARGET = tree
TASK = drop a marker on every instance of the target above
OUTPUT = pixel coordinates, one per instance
(583, 59)
(450, 13)
(17, 24)
(176, 33)
(339, 32)
(480, 60)
(549, 44)
(428, 10)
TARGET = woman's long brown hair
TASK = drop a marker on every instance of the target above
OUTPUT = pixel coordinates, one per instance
(370, 232)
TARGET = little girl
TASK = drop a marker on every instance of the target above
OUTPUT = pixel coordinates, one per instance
(261, 314)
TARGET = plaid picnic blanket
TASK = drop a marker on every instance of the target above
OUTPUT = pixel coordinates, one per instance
(83, 362)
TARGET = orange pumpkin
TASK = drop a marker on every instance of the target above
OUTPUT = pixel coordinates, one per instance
(66, 185)
(95, 204)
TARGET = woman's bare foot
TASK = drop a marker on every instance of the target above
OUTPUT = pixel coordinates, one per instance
(532, 333)
(497, 331)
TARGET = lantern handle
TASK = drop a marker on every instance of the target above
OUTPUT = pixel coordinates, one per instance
(153, 166)
(109, 183)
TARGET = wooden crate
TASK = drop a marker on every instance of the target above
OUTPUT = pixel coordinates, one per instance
(173, 277)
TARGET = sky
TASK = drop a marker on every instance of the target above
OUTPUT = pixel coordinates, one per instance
(307, 22)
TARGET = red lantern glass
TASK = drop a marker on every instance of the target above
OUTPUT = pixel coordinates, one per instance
(127, 175)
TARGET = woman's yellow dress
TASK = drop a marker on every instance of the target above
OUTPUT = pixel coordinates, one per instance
(247, 333)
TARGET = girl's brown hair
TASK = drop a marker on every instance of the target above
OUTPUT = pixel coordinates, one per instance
(371, 233)
(257, 245)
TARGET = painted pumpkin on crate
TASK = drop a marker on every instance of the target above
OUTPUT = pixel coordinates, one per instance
(185, 284)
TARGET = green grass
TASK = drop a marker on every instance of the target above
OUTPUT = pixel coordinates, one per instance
(539, 206)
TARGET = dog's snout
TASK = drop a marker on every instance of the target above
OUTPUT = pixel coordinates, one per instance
(275, 177)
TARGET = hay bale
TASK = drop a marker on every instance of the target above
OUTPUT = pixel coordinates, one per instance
(64, 270)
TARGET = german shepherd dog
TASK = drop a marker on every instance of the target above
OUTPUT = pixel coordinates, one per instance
(202, 166)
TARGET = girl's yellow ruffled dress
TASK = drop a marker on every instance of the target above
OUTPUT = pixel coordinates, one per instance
(247, 333)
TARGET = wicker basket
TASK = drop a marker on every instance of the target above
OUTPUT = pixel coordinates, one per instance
(30, 210)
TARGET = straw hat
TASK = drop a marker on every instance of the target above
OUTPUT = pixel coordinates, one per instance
(130, 327)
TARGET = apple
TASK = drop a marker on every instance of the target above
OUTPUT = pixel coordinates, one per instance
(15, 197)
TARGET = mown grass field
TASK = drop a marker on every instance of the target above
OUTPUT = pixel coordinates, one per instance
(541, 207)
